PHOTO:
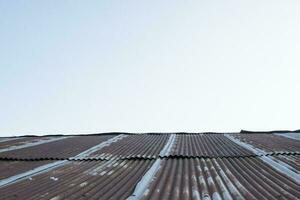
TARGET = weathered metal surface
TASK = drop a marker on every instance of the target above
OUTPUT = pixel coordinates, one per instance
(207, 145)
(156, 166)
(50, 166)
(31, 144)
(16, 142)
(294, 136)
(6, 139)
(291, 160)
(226, 178)
(11, 168)
(60, 149)
(270, 142)
(134, 146)
(81, 180)
(280, 166)
(145, 181)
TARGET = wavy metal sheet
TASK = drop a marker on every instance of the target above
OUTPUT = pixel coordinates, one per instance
(9, 142)
(134, 146)
(60, 149)
(227, 178)
(208, 145)
(270, 142)
(81, 180)
(291, 160)
(11, 168)
(227, 174)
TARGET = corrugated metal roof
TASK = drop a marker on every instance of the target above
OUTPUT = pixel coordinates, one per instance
(134, 146)
(153, 166)
(291, 160)
(230, 178)
(11, 168)
(208, 145)
(60, 149)
(114, 179)
(16, 142)
(270, 142)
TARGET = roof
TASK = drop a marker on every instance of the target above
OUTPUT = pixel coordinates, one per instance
(151, 166)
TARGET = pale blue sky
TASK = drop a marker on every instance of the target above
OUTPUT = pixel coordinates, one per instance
(142, 66)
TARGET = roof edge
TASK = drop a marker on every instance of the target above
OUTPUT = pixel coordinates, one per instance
(153, 133)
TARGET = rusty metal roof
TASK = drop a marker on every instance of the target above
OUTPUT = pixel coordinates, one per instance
(10, 168)
(151, 166)
(16, 142)
(114, 179)
(230, 178)
(291, 160)
(207, 145)
(270, 142)
(134, 146)
(59, 149)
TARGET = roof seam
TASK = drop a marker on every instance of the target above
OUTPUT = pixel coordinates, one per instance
(146, 157)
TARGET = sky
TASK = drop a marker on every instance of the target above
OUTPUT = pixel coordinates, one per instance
(70, 67)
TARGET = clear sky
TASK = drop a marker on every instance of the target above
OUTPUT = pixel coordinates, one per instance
(142, 66)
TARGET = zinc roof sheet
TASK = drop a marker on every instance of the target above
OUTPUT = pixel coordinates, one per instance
(134, 146)
(114, 179)
(230, 178)
(11, 168)
(15, 142)
(270, 142)
(206, 145)
(59, 149)
(152, 166)
(291, 160)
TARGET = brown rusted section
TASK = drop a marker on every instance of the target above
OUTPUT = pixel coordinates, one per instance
(11, 168)
(134, 146)
(291, 160)
(270, 142)
(236, 178)
(228, 175)
(64, 148)
(207, 145)
(20, 141)
(88, 180)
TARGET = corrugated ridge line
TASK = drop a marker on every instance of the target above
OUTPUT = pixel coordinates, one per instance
(118, 133)
(273, 162)
(145, 181)
(11, 148)
(146, 157)
(50, 166)
(154, 133)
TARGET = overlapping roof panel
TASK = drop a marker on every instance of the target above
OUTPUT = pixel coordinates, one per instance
(292, 160)
(81, 180)
(134, 146)
(151, 166)
(16, 142)
(230, 178)
(270, 142)
(207, 145)
(12, 168)
(61, 149)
